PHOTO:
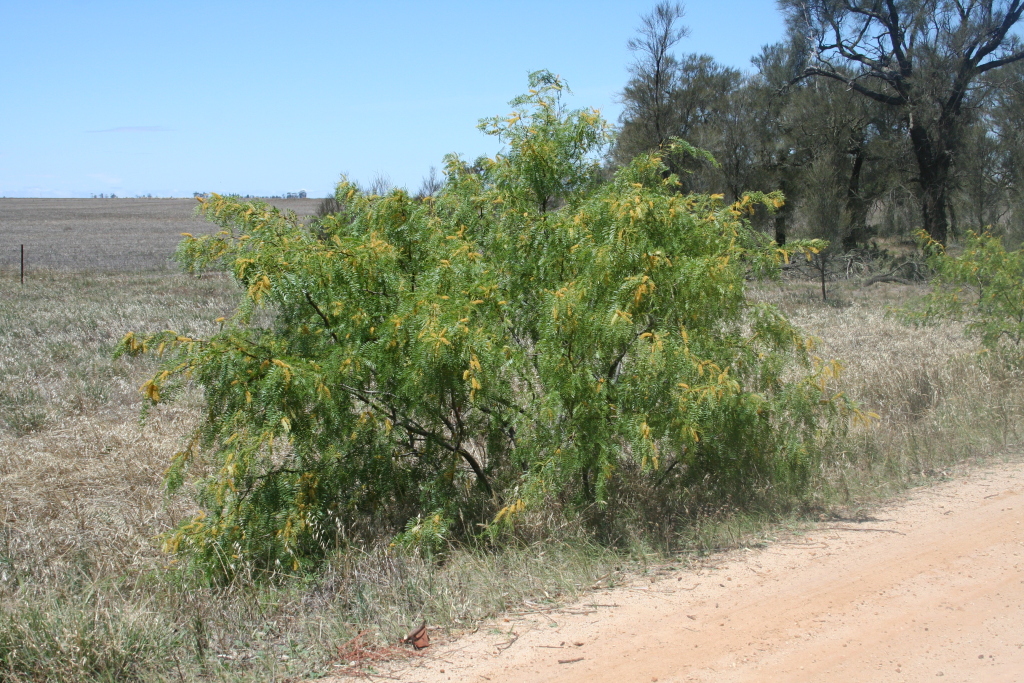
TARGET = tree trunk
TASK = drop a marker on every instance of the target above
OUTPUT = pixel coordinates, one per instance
(856, 207)
(780, 227)
(933, 212)
(933, 162)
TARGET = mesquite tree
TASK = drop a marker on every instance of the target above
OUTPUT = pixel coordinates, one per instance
(521, 337)
(981, 286)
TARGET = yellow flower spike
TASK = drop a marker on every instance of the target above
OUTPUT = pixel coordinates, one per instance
(151, 391)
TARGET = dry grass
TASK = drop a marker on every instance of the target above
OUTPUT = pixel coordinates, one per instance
(942, 402)
(85, 594)
(79, 477)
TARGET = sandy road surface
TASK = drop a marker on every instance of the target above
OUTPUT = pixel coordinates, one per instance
(930, 589)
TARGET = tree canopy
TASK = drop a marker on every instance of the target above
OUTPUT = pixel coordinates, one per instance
(887, 109)
(923, 57)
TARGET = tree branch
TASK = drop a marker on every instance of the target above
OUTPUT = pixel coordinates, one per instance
(327, 323)
(857, 87)
(996, 63)
(411, 426)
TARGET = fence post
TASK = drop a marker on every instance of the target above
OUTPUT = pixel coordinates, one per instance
(23, 264)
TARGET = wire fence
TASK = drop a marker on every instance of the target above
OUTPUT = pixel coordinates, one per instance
(35, 257)
(101, 235)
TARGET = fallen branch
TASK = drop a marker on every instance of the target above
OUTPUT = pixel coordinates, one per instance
(915, 272)
(885, 278)
(501, 647)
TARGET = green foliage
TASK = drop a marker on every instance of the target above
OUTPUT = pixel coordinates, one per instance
(550, 156)
(982, 286)
(425, 534)
(517, 339)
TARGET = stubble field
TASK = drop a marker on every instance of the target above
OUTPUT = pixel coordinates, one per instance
(85, 593)
(122, 235)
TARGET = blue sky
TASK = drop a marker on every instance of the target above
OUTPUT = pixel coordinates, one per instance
(265, 98)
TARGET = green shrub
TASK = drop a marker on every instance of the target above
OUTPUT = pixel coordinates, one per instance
(515, 340)
(982, 286)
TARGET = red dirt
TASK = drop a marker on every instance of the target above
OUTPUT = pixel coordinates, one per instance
(930, 588)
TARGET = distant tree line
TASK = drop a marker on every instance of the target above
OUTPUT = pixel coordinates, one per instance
(873, 117)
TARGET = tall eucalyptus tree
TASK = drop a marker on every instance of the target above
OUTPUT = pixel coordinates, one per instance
(925, 58)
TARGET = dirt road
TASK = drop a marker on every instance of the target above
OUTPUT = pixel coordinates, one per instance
(930, 588)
